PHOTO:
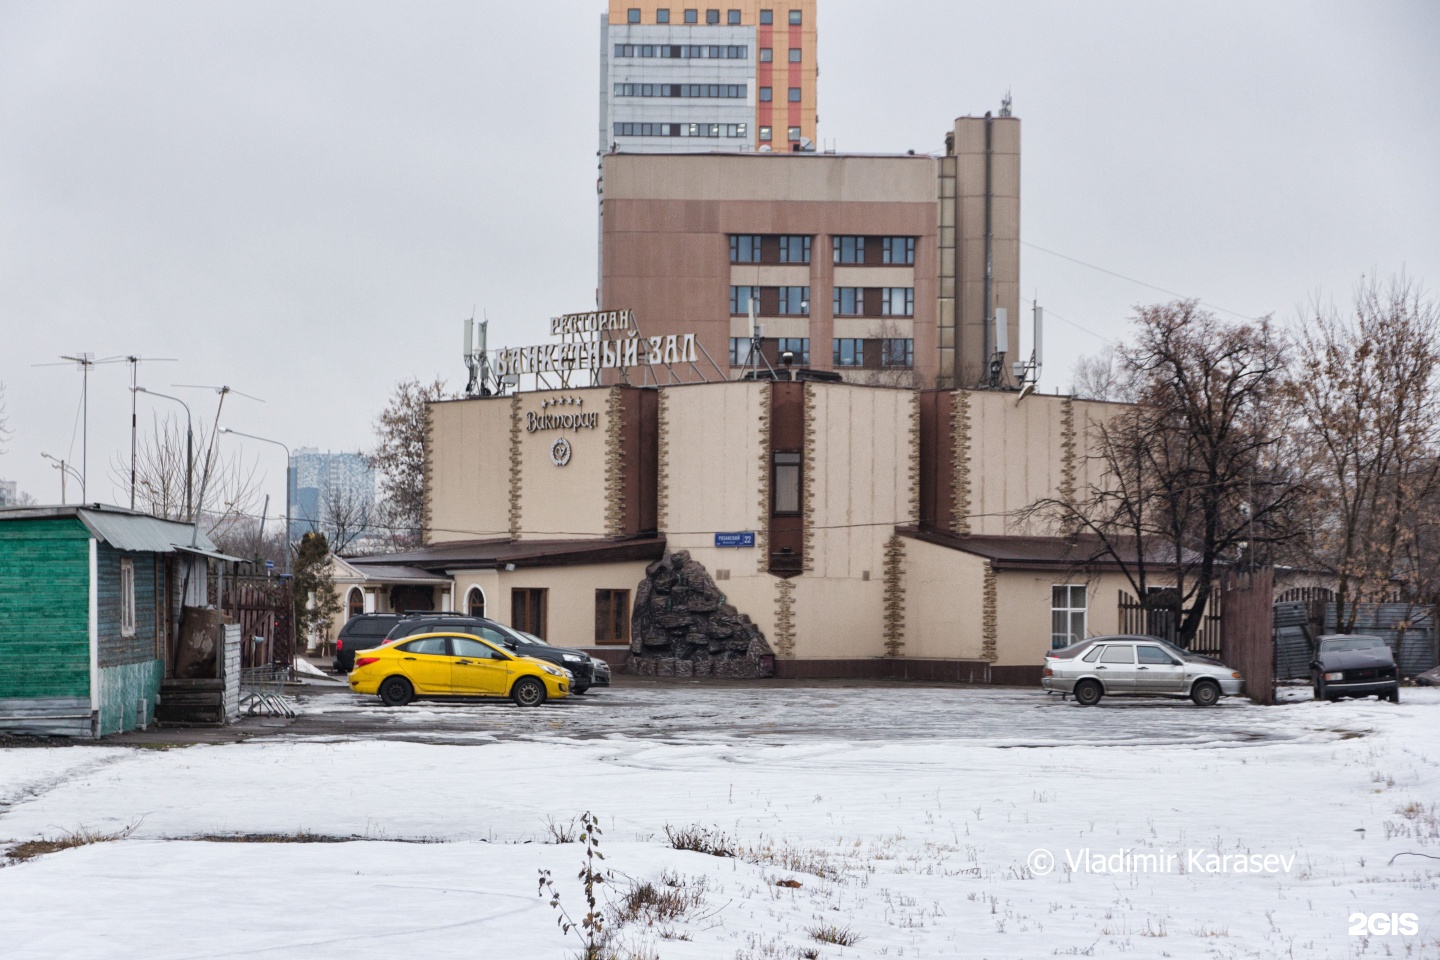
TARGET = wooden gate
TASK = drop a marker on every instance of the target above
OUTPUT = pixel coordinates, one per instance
(1149, 618)
(262, 608)
(1247, 642)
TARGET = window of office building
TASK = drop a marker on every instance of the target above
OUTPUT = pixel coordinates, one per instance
(740, 351)
(767, 17)
(740, 299)
(612, 616)
(793, 133)
(632, 15)
(794, 94)
(662, 15)
(730, 91)
(795, 250)
(692, 16)
(898, 302)
(785, 482)
(712, 16)
(848, 302)
(899, 249)
(849, 352)
(765, 133)
(794, 301)
(766, 95)
(795, 57)
(794, 18)
(683, 51)
(527, 610)
(897, 352)
(732, 17)
(745, 247)
(799, 346)
(848, 249)
(767, 54)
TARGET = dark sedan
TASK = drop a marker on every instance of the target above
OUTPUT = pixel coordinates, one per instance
(1354, 666)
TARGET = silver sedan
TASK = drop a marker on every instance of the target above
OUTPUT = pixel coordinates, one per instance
(1136, 666)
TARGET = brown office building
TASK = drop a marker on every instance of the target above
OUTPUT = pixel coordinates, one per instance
(888, 269)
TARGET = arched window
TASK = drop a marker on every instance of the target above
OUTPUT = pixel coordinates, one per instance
(355, 601)
(475, 602)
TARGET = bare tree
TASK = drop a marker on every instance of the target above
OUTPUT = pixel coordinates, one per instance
(346, 515)
(231, 496)
(889, 373)
(1195, 473)
(400, 458)
(1100, 377)
(1367, 388)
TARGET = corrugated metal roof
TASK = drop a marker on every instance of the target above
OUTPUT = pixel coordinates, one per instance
(137, 532)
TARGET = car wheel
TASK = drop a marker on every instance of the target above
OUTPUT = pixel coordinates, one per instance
(579, 690)
(528, 692)
(1088, 693)
(1205, 693)
(396, 692)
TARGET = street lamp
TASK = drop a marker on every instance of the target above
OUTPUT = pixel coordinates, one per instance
(287, 486)
(64, 469)
(189, 445)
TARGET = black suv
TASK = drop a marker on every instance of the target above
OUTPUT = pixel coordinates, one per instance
(588, 672)
(361, 632)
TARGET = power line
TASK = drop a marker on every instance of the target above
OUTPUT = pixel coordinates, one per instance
(1121, 276)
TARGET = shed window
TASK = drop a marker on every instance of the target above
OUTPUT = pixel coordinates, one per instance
(127, 598)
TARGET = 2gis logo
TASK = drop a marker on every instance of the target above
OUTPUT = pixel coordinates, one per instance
(1383, 924)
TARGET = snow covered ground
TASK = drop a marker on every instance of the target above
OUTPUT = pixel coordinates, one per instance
(926, 821)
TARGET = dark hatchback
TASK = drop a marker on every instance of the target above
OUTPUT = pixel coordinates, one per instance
(1349, 665)
(587, 671)
(361, 632)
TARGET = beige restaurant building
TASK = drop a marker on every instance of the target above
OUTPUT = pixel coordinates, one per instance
(879, 524)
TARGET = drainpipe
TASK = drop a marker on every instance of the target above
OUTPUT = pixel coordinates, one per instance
(989, 238)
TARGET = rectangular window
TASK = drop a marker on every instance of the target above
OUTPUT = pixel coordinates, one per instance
(712, 17)
(632, 15)
(732, 17)
(127, 598)
(766, 95)
(767, 54)
(1067, 615)
(767, 17)
(794, 18)
(740, 299)
(848, 249)
(765, 134)
(799, 346)
(692, 16)
(794, 301)
(898, 302)
(793, 133)
(794, 249)
(849, 352)
(897, 352)
(745, 247)
(795, 56)
(848, 302)
(662, 15)
(899, 249)
(740, 351)
(794, 94)
(612, 616)
(785, 482)
(527, 610)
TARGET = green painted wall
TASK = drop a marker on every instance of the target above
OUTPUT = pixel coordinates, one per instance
(44, 608)
(121, 690)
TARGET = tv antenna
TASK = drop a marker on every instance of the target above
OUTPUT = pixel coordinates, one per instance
(135, 362)
(84, 361)
(224, 392)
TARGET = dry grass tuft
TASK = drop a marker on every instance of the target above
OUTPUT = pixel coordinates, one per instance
(830, 933)
(30, 849)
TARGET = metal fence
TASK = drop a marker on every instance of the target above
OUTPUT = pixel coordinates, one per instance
(1408, 629)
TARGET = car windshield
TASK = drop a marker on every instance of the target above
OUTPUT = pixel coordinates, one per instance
(1350, 643)
(531, 638)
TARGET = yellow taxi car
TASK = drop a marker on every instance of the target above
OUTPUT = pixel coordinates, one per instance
(454, 665)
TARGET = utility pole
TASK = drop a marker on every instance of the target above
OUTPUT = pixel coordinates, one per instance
(135, 362)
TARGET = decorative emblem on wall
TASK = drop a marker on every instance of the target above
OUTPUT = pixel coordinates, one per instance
(560, 452)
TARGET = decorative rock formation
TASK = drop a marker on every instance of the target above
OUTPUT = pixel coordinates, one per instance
(682, 627)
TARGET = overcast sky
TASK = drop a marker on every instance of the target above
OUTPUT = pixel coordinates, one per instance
(304, 200)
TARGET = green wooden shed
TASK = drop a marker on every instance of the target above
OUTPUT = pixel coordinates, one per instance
(89, 599)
